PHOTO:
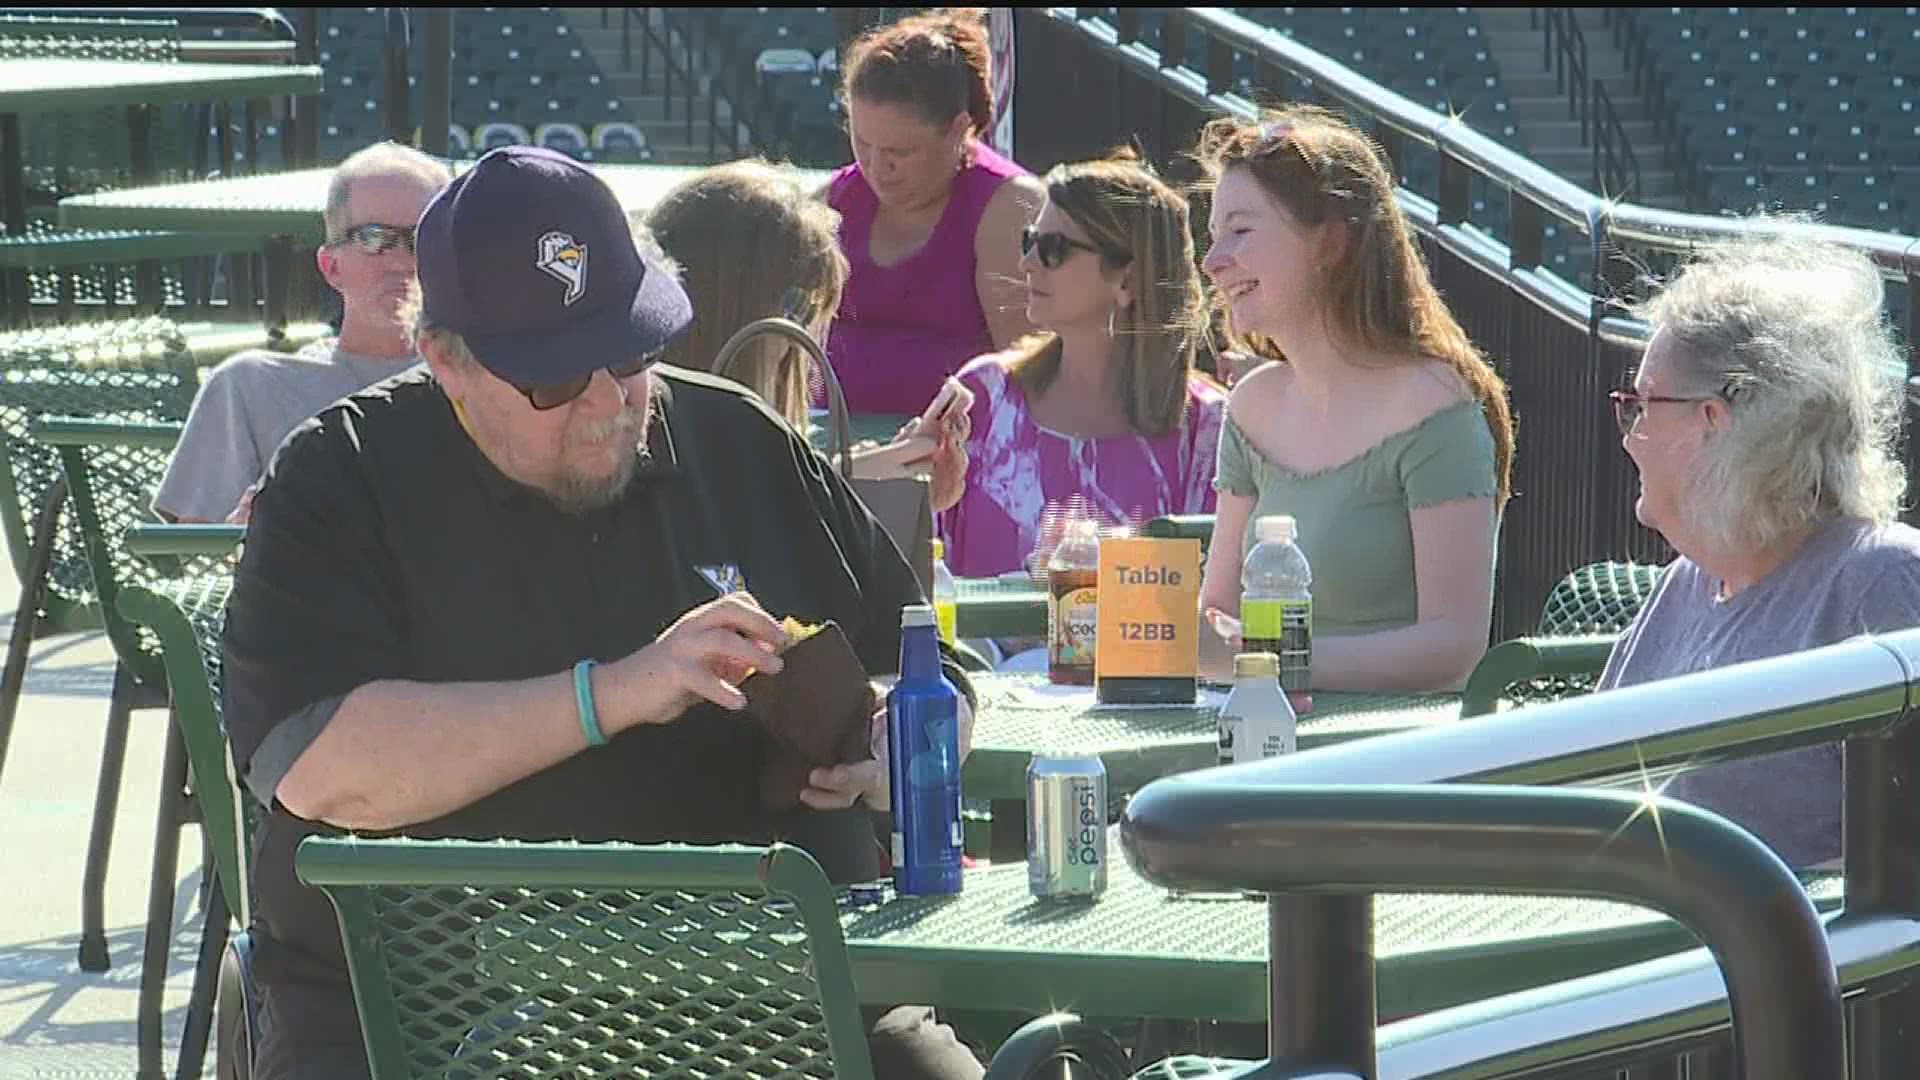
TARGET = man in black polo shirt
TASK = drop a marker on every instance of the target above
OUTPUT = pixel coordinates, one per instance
(496, 598)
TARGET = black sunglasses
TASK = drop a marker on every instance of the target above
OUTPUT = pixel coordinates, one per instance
(553, 395)
(375, 239)
(1053, 247)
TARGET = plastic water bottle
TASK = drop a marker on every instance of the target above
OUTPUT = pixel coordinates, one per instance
(923, 747)
(946, 594)
(1276, 606)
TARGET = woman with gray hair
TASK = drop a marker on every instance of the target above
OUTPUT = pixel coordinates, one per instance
(1762, 422)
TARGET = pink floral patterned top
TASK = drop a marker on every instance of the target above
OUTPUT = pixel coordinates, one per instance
(1018, 472)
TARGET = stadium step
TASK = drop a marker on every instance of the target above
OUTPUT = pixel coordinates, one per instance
(644, 99)
(1539, 100)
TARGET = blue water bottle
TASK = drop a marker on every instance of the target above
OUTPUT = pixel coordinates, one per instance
(923, 745)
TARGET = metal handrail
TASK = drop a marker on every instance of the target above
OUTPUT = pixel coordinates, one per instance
(1609, 1019)
(1709, 875)
(1602, 219)
(1616, 167)
(1861, 690)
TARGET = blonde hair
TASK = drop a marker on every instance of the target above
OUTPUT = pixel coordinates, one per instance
(380, 159)
(1134, 220)
(750, 241)
(1793, 334)
(1377, 294)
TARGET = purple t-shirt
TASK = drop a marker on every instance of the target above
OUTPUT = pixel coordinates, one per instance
(902, 329)
(1849, 578)
(1017, 471)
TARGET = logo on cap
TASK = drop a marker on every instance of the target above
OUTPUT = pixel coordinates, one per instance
(565, 259)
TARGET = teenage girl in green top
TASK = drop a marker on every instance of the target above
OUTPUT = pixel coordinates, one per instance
(1378, 425)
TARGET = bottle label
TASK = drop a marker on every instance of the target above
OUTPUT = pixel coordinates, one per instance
(1072, 623)
(1285, 628)
(946, 613)
(1230, 728)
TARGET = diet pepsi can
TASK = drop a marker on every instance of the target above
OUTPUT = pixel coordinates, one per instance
(1066, 827)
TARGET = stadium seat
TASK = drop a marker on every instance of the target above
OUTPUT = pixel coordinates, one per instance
(501, 133)
(567, 138)
(784, 62)
(620, 141)
(459, 141)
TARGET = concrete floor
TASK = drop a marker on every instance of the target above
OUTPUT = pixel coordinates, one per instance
(57, 1022)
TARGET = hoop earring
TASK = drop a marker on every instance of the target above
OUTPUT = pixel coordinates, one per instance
(1110, 314)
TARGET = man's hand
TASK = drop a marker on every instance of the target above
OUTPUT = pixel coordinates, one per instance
(703, 656)
(842, 785)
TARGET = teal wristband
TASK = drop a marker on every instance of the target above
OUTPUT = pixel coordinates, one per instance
(583, 698)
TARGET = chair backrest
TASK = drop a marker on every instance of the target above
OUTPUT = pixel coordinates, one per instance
(567, 138)
(784, 62)
(618, 135)
(490, 960)
(113, 468)
(1182, 527)
(459, 143)
(188, 618)
(138, 369)
(500, 133)
(1583, 615)
(1599, 598)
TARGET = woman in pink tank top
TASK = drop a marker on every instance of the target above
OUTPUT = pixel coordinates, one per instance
(930, 217)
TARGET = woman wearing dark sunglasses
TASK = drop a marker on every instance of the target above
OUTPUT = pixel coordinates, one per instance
(1103, 409)
(1762, 422)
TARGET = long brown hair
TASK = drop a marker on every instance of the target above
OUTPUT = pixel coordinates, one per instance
(1377, 294)
(939, 64)
(1134, 219)
(749, 240)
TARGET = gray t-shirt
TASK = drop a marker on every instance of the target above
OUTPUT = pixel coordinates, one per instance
(1850, 578)
(245, 408)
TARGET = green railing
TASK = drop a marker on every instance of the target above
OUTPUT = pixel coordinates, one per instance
(1323, 831)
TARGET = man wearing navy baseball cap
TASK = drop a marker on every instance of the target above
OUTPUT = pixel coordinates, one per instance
(510, 595)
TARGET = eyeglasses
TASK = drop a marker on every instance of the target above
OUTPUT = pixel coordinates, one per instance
(375, 239)
(1628, 405)
(1053, 247)
(553, 395)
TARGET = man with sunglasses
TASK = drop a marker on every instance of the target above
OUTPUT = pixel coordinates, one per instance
(250, 402)
(511, 594)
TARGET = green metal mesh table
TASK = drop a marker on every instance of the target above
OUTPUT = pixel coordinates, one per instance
(1140, 952)
(43, 85)
(1023, 714)
(289, 204)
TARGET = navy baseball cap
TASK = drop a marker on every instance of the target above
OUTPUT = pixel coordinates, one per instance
(529, 257)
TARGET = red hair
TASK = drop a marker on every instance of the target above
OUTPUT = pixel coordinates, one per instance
(937, 64)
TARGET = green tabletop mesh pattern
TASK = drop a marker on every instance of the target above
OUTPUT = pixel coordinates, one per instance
(138, 369)
(998, 912)
(1601, 598)
(15, 45)
(590, 982)
(1140, 951)
(1019, 716)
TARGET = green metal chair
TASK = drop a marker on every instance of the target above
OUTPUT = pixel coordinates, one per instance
(187, 616)
(112, 468)
(502, 959)
(1583, 615)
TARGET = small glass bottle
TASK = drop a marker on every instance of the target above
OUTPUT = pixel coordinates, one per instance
(946, 593)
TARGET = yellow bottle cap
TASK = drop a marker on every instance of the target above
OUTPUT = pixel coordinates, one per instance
(1255, 665)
